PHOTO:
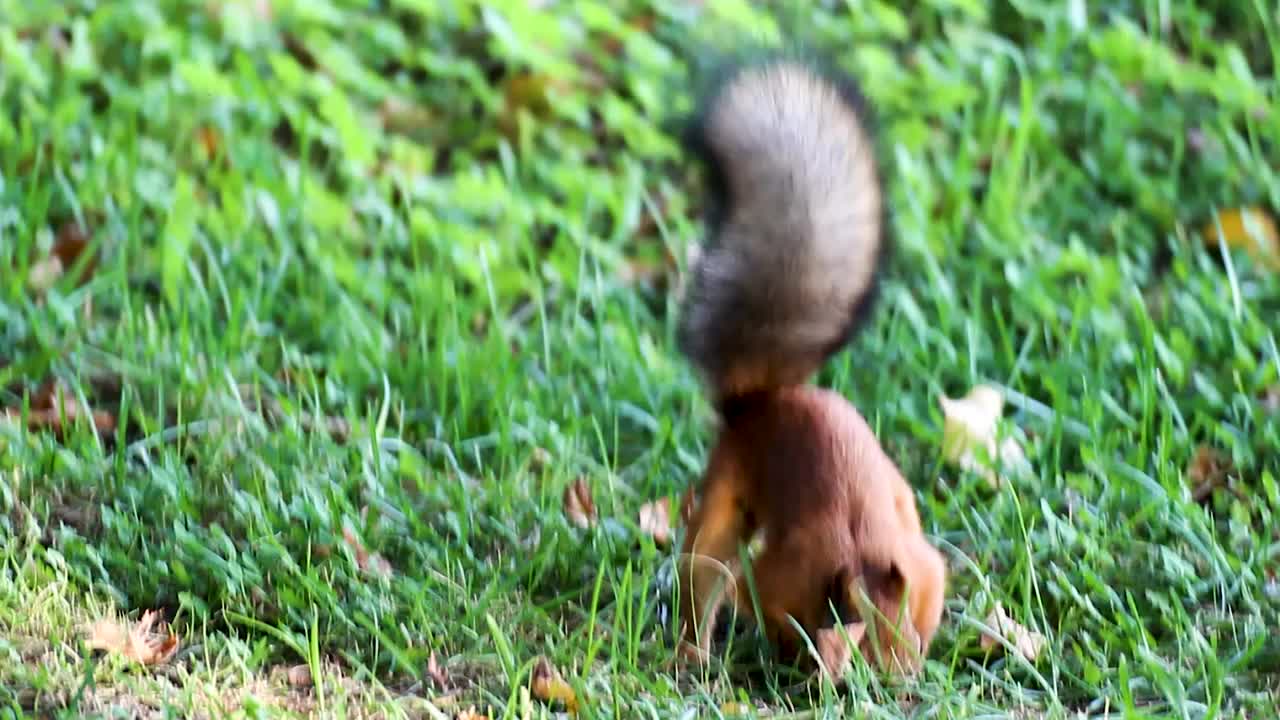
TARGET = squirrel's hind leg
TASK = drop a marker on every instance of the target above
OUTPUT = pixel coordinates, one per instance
(707, 566)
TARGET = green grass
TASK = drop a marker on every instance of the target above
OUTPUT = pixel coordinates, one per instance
(338, 211)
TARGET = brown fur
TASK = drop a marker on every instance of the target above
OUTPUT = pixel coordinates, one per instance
(802, 465)
(797, 235)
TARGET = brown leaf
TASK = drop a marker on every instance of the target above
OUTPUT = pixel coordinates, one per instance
(68, 246)
(444, 702)
(435, 672)
(300, 676)
(578, 505)
(1252, 229)
(71, 242)
(471, 714)
(47, 412)
(337, 427)
(372, 563)
(613, 43)
(524, 91)
(1028, 642)
(655, 521)
(1209, 470)
(547, 685)
(404, 117)
(210, 140)
(138, 643)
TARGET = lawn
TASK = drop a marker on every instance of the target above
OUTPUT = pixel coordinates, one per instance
(358, 290)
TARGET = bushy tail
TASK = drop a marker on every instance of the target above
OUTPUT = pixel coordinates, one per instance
(797, 227)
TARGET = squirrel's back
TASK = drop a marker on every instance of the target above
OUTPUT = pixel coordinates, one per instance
(797, 230)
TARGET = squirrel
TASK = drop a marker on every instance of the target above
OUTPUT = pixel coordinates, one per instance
(787, 275)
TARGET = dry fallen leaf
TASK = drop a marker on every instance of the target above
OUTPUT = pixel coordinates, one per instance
(69, 244)
(1209, 470)
(52, 403)
(300, 676)
(445, 702)
(539, 460)
(404, 117)
(44, 273)
(435, 672)
(548, 686)
(655, 521)
(527, 91)
(210, 140)
(138, 643)
(972, 422)
(578, 505)
(1028, 642)
(365, 560)
(613, 43)
(1249, 228)
(471, 714)
(338, 428)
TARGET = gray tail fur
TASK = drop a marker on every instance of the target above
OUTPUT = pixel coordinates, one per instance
(797, 226)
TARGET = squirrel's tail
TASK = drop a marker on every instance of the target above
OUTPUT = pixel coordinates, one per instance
(797, 226)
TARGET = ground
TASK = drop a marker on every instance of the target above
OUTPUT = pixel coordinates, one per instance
(357, 290)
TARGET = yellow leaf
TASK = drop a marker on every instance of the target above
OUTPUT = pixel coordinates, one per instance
(1249, 228)
(972, 422)
(138, 643)
(530, 92)
(548, 686)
